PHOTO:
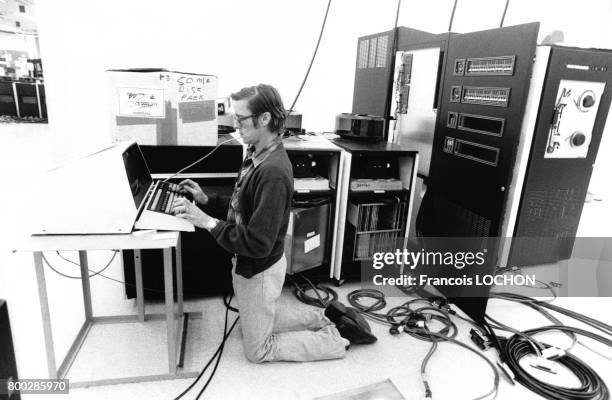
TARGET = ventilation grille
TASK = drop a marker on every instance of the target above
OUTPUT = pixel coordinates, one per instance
(543, 205)
(547, 226)
(451, 219)
(381, 52)
(373, 52)
(363, 54)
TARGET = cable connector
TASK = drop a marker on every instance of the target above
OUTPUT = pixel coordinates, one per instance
(544, 364)
(428, 394)
(552, 353)
(414, 324)
(394, 330)
(439, 302)
(448, 309)
(478, 339)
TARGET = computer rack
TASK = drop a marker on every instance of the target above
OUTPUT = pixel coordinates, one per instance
(376, 203)
(311, 236)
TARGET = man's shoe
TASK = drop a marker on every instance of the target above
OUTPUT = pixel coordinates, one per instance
(334, 311)
(350, 323)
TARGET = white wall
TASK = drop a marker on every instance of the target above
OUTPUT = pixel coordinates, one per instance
(10, 41)
(242, 42)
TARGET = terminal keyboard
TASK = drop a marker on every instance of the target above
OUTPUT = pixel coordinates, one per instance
(162, 196)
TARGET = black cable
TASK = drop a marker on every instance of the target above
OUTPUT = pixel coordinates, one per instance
(537, 346)
(450, 24)
(389, 318)
(465, 346)
(411, 318)
(225, 335)
(428, 313)
(227, 302)
(501, 23)
(99, 273)
(432, 349)
(219, 350)
(538, 305)
(95, 273)
(200, 159)
(329, 294)
(515, 270)
(592, 386)
(399, 4)
(355, 297)
(447, 333)
(311, 60)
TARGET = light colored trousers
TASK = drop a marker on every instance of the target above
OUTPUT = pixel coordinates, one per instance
(273, 332)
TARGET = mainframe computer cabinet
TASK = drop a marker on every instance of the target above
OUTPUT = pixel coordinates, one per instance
(311, 237)
(375, 203)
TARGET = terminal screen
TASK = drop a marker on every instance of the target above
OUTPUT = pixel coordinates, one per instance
(137, 173)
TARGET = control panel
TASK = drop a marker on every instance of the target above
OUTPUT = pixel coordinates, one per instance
(573, 119)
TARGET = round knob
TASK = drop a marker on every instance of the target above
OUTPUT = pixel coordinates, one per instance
(578, 139)
(588, 101)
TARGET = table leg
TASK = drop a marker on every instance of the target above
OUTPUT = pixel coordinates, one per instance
(139, 287)
(179, 276)
(46, 316)
(170, 322)
(85, 284)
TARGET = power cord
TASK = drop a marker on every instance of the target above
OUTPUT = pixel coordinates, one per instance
(417, 327)
(515, 270)
(413, 320)
(95, 273)
(200, 159)
(321, 301)
(592, 387)
(314, 54)
(99, 273)
(539, 306)
(217, 355)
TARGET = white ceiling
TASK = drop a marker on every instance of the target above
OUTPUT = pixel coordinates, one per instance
(10, 14)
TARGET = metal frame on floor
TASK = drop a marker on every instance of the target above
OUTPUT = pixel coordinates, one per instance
(175, 336)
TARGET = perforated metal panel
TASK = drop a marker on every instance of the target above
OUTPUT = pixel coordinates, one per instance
(373, 74)
(555, 188)
(455, 220)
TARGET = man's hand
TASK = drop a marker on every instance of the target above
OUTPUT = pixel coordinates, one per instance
(183, 208)
(189, 186)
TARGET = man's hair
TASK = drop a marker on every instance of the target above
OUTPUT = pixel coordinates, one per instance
(264, 98)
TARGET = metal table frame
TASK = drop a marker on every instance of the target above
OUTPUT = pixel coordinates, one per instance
(82, 243)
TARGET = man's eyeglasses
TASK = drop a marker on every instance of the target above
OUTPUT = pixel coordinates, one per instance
(239, 118)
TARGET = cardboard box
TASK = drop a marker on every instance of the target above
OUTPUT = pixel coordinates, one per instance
(159, 107)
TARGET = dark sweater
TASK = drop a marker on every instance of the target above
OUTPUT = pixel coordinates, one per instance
(265, 201)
